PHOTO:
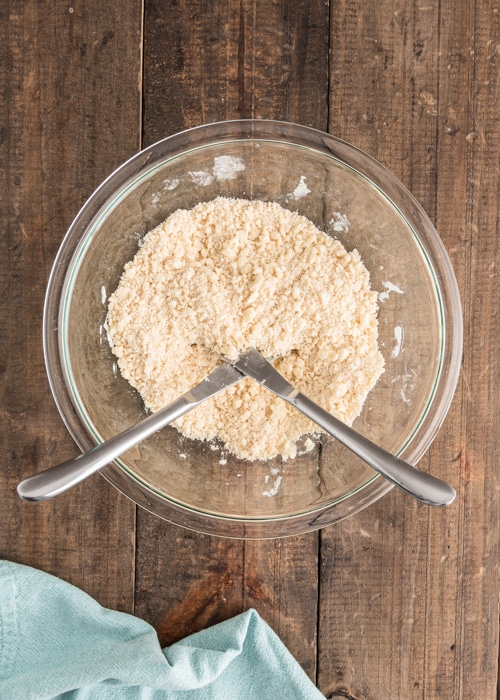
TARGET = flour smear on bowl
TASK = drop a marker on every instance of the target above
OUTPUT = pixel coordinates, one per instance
(231, 274)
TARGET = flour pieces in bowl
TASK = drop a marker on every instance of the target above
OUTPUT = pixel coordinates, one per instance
(231, 274)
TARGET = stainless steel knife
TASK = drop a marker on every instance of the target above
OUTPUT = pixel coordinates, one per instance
(424, 487)
(60, 478)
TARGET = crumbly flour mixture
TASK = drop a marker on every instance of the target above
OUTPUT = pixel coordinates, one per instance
(232, 274)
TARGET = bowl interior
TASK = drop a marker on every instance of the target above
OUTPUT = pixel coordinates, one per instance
(204, 477)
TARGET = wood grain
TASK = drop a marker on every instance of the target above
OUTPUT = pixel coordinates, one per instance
(415, 87)
(69, 77)
(383, 99)
(233, 59)
(399, 601)
(206, 62)
(468, 216)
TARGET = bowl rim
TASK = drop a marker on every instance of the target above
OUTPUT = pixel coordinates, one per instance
(389, 186)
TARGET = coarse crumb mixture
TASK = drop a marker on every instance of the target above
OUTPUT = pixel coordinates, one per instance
(232, 274)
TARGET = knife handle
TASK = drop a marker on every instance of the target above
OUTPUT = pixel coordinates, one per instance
(56, 480)
(424, 487)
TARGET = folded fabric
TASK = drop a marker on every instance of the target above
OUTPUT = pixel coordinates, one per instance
(57, 642)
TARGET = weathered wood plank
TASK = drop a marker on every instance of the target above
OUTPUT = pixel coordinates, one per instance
(71, 114)
(382, 62)
(383, 87)
(402, 623)
(408, 597)
(467, 217)
(206, 62)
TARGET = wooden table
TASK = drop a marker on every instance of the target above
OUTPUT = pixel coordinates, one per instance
(399, 601)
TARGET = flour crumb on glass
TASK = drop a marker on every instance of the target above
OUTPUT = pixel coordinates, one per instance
(170, 184)
(307, 447)
(340, 223)
(231, 274)
(201, 177)
(407, 381)
(227, 167)
(275, 487)
(398, 341)
(301, 190)
(389, 287)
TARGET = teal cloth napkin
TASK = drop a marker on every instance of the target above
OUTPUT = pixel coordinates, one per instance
(57, 642)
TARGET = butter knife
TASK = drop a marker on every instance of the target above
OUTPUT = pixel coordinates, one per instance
(424, 487)
(56, 480)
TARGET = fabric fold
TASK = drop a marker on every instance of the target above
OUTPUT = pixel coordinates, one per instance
(58, 642)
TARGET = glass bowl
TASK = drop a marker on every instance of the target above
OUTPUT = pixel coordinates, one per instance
(345, 193)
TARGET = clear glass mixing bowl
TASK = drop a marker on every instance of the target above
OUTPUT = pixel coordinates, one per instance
(346, 194)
